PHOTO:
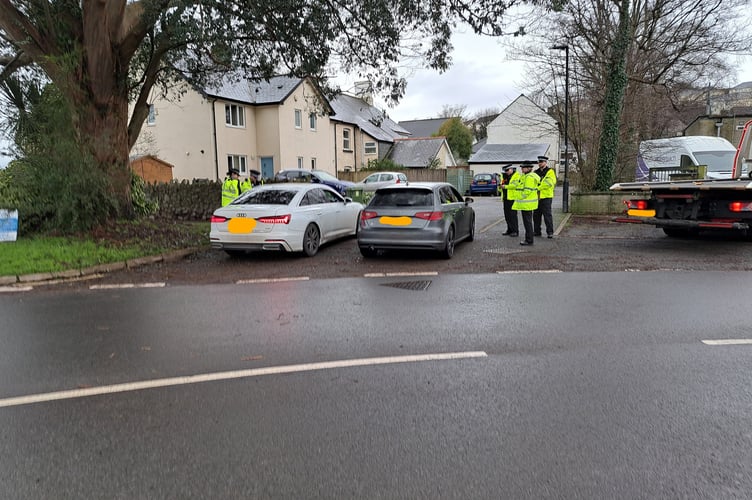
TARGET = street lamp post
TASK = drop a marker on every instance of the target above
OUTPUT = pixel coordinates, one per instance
(565, 185)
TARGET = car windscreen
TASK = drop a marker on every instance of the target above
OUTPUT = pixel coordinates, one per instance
(324, 176)
(717, 161)
(265, 197)
(403, 198)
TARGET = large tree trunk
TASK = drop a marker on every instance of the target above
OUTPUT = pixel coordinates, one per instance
(103, 130)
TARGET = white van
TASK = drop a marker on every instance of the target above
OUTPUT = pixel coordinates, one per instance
(716, 153)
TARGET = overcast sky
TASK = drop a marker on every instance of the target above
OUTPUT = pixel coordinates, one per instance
(481, 77)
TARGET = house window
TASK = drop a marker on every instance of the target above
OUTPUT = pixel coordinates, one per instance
(234, 115)
(346, 139)
(300, 162)
(370, 148)
(298, 118)
(239, 162)
(151, 119)
(312, 120)
(313, 163)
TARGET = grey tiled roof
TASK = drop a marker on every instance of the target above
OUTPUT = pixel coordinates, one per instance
(478, 145)
(274, 91)
(508, 153)
(423, 128)
(415, 152)
(356, 111)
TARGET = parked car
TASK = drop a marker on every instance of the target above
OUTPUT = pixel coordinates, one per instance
(417, 216)
(316, 176)
(380, 179)
(289, 217)
(484, 184)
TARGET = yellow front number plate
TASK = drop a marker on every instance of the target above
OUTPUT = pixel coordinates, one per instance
(241, 226)
(641, 213)
(395, 221)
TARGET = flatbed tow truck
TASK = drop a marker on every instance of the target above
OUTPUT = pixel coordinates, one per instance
(686, 207)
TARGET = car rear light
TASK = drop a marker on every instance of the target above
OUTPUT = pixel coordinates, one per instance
(636, 204)
(398, 180)
(218, 219)
(740, 206)
(275, 219)
(368, 214)
(430, 215)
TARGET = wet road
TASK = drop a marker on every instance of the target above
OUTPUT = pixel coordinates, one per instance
(568, 385)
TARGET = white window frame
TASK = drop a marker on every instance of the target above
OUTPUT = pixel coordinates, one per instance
(370, 145)
(151, 118)
(300, 162)
(346, 139)
(239, 162)
(312, 121)
(235, 115)
(313, 163)
(298, 118)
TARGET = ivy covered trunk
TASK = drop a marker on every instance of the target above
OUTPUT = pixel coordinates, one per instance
(616, 85)
(103, 131)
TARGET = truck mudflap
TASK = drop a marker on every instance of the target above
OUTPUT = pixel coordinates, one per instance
(683, 223)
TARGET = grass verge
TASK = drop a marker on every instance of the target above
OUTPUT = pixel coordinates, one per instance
(115, 242)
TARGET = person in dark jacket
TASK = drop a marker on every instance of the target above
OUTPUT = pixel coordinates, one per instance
(507, 197)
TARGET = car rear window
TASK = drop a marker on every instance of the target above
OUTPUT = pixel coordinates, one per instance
(403, 198)
(265, 197)
(483, 177)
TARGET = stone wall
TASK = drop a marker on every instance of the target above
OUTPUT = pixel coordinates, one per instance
(186, 200)
(601, 203)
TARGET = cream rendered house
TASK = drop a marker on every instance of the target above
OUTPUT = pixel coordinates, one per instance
(524, 122)
(248, 125)
(362, 132)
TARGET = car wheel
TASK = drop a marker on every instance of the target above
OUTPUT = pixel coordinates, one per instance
(448, 251)
(367, 252)
(311, 240)
(471, 233)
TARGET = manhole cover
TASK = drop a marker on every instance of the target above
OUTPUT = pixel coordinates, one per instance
(410, 285)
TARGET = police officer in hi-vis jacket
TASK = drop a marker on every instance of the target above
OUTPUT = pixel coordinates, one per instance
(528, 200)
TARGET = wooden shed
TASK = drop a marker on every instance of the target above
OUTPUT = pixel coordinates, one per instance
(151, 169)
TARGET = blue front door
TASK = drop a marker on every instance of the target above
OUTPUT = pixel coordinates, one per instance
(267, 167)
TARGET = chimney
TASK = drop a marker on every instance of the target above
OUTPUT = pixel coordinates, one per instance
(364, 90)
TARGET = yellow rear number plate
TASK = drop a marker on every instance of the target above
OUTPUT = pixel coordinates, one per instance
(395, 221)
(241, 225)
(641, 213)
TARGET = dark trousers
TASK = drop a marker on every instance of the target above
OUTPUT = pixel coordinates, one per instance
(527, 222)
(513, 225)
(544, 212)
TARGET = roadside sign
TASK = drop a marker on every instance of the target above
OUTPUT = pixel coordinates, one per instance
(8, 225)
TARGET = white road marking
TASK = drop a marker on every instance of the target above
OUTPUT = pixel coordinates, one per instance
(9, 289)
(727, 342)
(271, 280)
(210, 377)
(389, 275)
(539, 271)
(127, 285)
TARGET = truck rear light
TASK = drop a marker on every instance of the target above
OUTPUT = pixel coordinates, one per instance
(636, 204)
(740, 206)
